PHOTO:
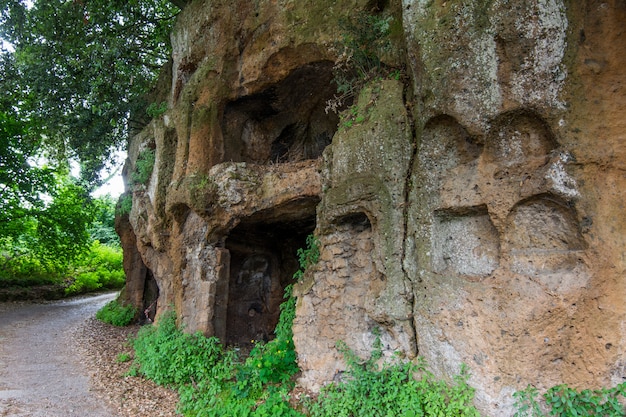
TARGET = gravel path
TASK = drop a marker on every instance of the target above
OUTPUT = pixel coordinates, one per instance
(57, 360)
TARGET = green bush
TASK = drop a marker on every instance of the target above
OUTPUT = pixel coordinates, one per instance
(20, 266)
(171, 357)
(84, 283)
(143, 167)
(364, 38)
(392, 389)
(100, 268)
(564, 401)
(116, 314)
(27, 270)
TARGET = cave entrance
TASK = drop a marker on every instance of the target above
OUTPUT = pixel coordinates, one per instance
(150, 297)
(286, 122)
(263, 259)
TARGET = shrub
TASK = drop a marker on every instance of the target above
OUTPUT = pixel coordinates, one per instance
(27, 270)
(20, 265)
(391, 389)
(364, 39)
(116, 314)
(143, 167)
(83, 283)
(564, 401)
(100, 268)
(124, 204)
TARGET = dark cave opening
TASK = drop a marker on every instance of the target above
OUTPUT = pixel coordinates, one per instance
(263, 259)
(150, 297)
(287, 122)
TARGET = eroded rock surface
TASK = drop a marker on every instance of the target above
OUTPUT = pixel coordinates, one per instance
(470, 211)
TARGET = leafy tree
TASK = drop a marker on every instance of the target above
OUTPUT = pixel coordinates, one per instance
(62, 228)
(21, 184)
(43, 212)
(72, 84)
(103, 227)
(81, 69)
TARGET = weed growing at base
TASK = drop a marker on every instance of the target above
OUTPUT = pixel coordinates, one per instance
(564, 401)
(116, 314)
(397, 388)
(214, 381)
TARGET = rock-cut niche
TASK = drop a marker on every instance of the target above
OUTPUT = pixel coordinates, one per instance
(465, 242)
(263, 260)
(286, 122)
(519, 142)
(543, 236)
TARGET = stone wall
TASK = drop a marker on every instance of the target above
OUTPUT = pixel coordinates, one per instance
(470, 211)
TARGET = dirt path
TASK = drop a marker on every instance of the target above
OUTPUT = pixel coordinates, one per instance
(41, 373)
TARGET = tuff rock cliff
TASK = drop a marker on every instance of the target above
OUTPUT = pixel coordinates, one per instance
(471, 209)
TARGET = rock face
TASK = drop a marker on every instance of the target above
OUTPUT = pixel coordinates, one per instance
(470, 211)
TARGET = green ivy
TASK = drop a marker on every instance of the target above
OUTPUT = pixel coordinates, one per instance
(307, 257)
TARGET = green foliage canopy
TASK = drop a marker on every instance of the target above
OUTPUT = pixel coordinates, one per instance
(102, 228)
(72, 83)
(42, 209)
(20, 183)
(80, 70)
